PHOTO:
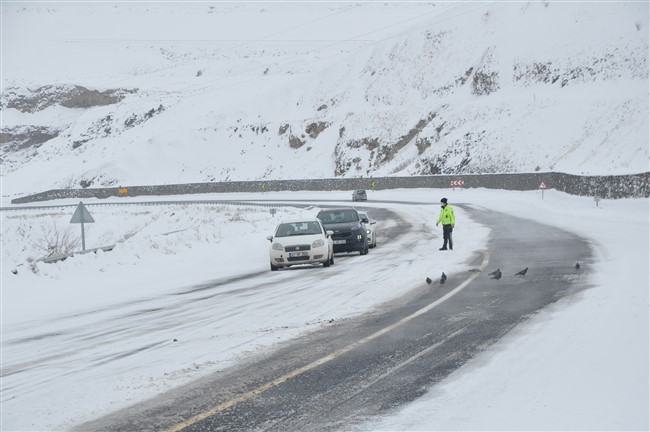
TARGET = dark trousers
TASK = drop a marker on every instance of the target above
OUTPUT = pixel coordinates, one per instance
(446, 235)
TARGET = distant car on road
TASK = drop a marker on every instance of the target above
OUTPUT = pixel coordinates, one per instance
(371, 228)
(349, 233)
(359, 195)
(301, 242)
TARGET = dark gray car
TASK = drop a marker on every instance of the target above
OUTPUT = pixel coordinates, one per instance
(359, 195)
(349, 232)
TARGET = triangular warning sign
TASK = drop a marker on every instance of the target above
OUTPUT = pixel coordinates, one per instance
(542, 185)
(81, 215)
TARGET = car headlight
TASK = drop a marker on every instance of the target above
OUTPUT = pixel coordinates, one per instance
(318, 243)
(367, 231)
(277, 247)
(355, 227)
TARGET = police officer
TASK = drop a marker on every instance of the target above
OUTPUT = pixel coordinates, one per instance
(448, 221)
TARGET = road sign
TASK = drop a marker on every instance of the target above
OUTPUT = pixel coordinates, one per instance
(82, 216)
(455, 183)
(373, 184)
(263, 186)
(543, 186)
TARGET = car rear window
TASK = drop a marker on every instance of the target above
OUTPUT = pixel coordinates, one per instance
(298, 228)
(338, 216)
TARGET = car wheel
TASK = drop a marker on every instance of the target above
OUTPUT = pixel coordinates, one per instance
(274, 268)
(327, 263)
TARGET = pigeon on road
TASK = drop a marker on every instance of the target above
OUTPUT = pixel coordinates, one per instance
(497, 275)
(495, 272)
(443, 278)
(522, 272)
(429, 280)
(577, 266)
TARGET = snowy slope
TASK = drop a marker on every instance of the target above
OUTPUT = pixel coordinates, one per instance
(100, 94)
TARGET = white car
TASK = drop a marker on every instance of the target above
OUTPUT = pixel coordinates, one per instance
(301, 242)
(371, 228)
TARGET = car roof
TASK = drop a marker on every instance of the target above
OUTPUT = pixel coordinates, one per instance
(299, 221)
(338, 209)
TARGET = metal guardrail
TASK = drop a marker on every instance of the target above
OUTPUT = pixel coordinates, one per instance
(614, 186)
(156, 203)
(63, 257)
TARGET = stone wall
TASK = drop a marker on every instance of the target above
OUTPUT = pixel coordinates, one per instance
(621, 186)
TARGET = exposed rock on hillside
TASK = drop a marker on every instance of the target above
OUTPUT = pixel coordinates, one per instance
(314, 129)
(23, 137)
(31, 101)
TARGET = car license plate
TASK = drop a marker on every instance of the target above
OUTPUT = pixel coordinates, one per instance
(339, 242)
(297, 254)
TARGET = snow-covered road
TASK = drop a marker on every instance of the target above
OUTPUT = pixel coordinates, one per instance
(362, 367)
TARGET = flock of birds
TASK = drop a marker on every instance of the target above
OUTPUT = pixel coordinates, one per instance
(495, 274)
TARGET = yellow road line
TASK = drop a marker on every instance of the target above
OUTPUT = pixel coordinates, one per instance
(296, 372)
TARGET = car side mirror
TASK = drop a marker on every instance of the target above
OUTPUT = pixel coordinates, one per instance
(364, 220)
(329, 233)
(269, 238)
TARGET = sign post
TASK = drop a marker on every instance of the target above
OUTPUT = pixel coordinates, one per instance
(82, 216)
(543, 186)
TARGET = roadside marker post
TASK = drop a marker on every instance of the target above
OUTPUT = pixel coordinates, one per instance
(82, 216)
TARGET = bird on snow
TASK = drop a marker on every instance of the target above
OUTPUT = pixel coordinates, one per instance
(577, 266)
(495, 272)
(429, 280)
(497, 275)
(443, 278)
(522, 272)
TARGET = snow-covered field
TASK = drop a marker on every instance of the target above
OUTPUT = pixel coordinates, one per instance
(581, 364)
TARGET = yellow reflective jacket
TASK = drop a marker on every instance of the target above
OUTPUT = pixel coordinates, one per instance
(447, 215)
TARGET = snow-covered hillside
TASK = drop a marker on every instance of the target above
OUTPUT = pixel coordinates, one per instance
(98, 94)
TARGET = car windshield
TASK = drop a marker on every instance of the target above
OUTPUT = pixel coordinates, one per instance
(338, 216)
(298, 228)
